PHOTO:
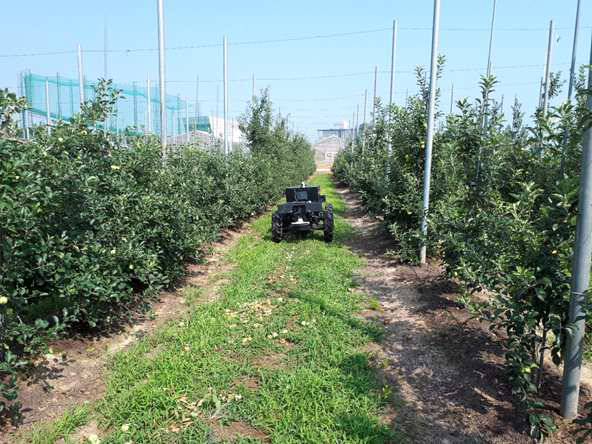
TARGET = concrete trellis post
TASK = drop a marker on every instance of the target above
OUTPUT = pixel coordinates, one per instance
(47, 107)
(161, 77)
(80, 75)
(389, 147)
(364, 127)
(572, 78)
(580, 283)
(148, 105)
(427, 171)
(374, 97)
(548, 70)
(187, 121)
(225, 75)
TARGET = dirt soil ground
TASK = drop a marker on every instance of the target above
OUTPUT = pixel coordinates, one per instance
(74, 371)
(446, 367)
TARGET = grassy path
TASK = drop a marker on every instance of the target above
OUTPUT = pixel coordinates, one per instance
(279, 356)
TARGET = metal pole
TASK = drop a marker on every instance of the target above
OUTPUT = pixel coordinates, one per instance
(47, 111)
(393, 55)
(179, 114)
(148, 105)
(71, 98)
(572, 70)
(29, 95)
(231, 139)
(217, 109)
(389, 147)
(105, 46)
(374, 99)
(22, 92)
(548, 70)
(357, 120)
(80, 75)
(161, 79)
(187, 120)
(541, 93)
(364, 128)
(572, 78)
(451, 97)
(135, 92)
(59, 96)
(430, 130)
(253, 86)
(484, 122)
(491, 39)
(196, 103)
(172, 129)
(580, 281)
(225, 92)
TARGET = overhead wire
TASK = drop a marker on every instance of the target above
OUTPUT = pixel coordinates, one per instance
(360, 73)
(270, 41)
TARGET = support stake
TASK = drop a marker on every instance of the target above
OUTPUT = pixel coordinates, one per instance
(427, 170)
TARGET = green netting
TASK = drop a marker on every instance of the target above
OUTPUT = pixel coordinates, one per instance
(201, 123)
(130, 112)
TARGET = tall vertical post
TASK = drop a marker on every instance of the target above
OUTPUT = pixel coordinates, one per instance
(47, 109)
(148, 104)
(253, 86)
(427, 170)
(179, 118)
(225, 92)
(217, 130)
(572, 78)
(71, 90)
(105, 66)
(22, 92)
(187, 121)
(393, 56)
(389, 147)
(28, 85)
(548, 70)
(59, 96)
(364, 128)
(174, 131)
(580, 282)
(357, 120)
(484, 122)
(374, 97)
(451, 97)
(105, 50)
(80, 75)
(135, 92)
(161, 79)
(541, 92)
(572, 69)
(196, 103)
(231, 139)
(491, 39)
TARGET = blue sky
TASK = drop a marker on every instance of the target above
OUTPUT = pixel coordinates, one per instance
(346, 61)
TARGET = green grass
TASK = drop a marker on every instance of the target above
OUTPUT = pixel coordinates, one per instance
(50, 432)
(279, 351)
